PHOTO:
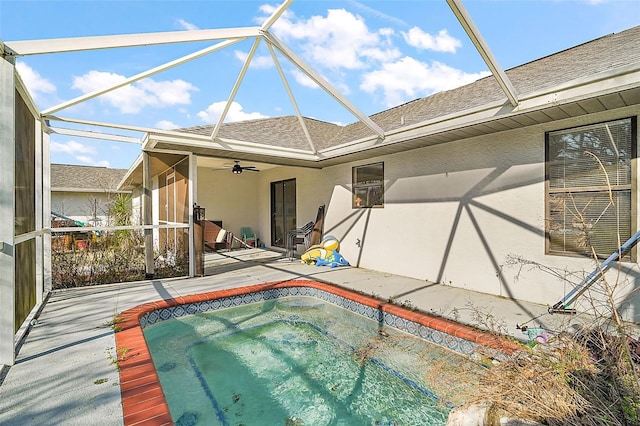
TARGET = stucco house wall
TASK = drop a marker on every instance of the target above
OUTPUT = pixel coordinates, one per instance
(80, 206)
(84, 193)
(311, 192)
(466, 214)
(245, 200)
(233, 199)
(460, 213)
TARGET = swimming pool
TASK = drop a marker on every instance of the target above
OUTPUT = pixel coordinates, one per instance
(286, 332)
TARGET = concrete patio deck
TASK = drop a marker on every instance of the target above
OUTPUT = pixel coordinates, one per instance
(63, 374)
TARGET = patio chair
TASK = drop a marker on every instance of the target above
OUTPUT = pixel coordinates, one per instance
(214, 236)
(249, 238)
(229, 241)
(299, 236)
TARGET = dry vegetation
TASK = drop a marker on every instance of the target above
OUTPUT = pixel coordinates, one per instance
(110, 258)
(586, 377)
(582, 379)
(90, 258)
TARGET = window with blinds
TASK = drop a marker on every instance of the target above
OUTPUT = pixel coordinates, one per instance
(589, 200)
(367, 186)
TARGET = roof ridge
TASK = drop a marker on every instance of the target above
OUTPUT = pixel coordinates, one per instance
(559, 52)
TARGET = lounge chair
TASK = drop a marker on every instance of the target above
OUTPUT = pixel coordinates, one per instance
(215, 237)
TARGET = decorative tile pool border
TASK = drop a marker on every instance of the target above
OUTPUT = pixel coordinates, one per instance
(143, 401)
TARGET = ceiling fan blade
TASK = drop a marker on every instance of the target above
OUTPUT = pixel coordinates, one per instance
(236, 168)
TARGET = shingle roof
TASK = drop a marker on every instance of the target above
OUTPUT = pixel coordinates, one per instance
(602, 54)
(277, 131)
(87, 178)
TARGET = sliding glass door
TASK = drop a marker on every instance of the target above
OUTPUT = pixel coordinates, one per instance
(283, 211)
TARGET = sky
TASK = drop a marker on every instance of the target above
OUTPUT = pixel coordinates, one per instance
(378, 54)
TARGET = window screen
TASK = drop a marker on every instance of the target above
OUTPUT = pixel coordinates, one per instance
(368, 186)
(589, 177)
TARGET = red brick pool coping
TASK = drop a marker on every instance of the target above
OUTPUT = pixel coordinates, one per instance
(143, 401)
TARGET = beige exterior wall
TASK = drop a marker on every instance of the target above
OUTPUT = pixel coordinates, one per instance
(311, 192)
(452, 212)
(457, 214)
(245, 200)
(233, 199)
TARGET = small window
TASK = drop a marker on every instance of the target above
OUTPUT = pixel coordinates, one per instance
(368, 186)
(589, 181)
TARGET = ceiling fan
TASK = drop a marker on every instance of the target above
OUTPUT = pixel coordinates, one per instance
(237, 168)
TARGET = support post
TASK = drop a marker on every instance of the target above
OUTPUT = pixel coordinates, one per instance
(147, 216)
(46, 207)
(195, 257)
(198, 239)
(39, 204)
(7, 212)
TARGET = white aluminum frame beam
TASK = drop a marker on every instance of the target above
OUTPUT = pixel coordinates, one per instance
(465, 20)
(292, 99)
(320, 81)
(193, 200)
(142, 75)
(7, 211)
(46, 208)
(40, 212)
(105, 124)
(147, 215)
(76, 44)
(275, 15)
(94, 135)
(235, 88)
(229, 145)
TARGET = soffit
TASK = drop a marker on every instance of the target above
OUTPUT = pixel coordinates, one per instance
(431, 133)
(160, 163)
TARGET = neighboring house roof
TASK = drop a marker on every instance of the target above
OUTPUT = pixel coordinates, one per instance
(71, 178)
(600, 55)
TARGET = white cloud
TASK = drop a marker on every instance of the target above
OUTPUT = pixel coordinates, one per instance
(186, 25)
(378, 14)
(214, 111)
(36, 84)
(131, 99)
(442, 42)
(72, 147)
(387, 32)
(166, 125)
(339, 40)
(256, 62)
(303, 80)
(340, 43)
(80, 152)
(168, 92)
(91, 161)
(408, 78)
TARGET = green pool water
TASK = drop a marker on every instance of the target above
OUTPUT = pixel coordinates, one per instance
(298, 361)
